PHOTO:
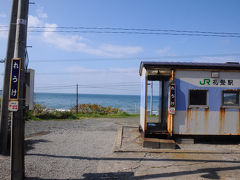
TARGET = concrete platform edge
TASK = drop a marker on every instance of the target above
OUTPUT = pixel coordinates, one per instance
(118, 147)
(118, 139)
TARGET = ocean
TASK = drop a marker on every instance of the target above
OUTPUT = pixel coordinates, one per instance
(128, 103)
(64, 101)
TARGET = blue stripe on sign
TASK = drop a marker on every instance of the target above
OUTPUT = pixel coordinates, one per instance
(214, 95)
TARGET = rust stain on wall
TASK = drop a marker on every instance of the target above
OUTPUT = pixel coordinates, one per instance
(196, 120)
(222, 117)
(188, 119)
(206, 117)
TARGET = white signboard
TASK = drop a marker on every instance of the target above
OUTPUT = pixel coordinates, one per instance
(13, 106)
(171, 110)
(203, 78)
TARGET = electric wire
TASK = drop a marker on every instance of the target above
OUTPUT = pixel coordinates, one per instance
(129, 29)
(143, 33)
(134, 58)
(140, 32)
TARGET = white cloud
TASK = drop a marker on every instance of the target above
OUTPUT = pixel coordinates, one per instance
(119, 50)
(110, 80)
(34, 21)
(3, 15)
(79, 69)
(41, 14)
(76, 43)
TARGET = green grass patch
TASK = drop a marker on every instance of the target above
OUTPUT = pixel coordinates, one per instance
(41, 112)
(119, 115)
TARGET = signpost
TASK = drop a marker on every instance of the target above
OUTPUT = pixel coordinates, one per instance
(172, 103)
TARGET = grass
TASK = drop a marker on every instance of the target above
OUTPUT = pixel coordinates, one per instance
(86, 111)
(120, 115)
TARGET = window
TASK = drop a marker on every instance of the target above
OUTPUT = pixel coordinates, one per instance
(230, 98)
(198, 97)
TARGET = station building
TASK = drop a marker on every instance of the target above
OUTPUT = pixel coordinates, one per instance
(194, 98)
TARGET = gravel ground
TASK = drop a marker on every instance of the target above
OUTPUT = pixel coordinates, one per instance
(83, 149)
(66, 149)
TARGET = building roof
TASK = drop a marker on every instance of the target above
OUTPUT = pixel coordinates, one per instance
(189, 65)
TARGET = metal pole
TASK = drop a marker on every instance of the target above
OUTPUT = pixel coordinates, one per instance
(163, 102)
(4, 130)
(17, 140)
(77, 99)
(151, 100)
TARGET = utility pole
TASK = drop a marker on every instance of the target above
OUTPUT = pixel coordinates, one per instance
(4, 128)
(77, 98)
(17, 138)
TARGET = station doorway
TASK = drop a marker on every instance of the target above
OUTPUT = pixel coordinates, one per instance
(157, 104)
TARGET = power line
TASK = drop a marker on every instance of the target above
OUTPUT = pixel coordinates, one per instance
(232, 35)
(106, 88)
(95, 83)
(134, 58)
(129, 29)
(137, 29)
(142, 33)
(89, 86)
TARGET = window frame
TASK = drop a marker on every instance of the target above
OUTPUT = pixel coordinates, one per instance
(198, 106)
(233, 105)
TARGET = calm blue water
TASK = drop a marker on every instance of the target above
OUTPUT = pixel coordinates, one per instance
(128, 103)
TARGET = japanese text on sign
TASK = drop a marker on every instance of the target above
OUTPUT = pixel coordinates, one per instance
(172, 95)
(217, 82)
(14, 79)
(13, 106)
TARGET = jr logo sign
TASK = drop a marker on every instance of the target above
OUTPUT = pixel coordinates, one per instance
(205, 82)
(216, 82)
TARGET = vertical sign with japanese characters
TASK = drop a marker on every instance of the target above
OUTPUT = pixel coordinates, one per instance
(172, 99)
(14, 84)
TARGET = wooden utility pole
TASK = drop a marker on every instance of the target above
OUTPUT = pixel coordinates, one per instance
(4, 129)
(17, 139)
(77, 98)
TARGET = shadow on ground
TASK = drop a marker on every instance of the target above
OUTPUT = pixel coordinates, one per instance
(133, 159)
(208, 173)
(29, 143)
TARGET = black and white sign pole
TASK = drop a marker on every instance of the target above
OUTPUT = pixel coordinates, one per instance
(4, 130)
(16, 96)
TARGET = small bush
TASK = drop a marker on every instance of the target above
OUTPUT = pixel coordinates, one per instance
(42, 112)
(95, 109)
(56, 115)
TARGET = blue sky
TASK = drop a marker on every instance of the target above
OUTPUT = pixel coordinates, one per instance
(109, 63)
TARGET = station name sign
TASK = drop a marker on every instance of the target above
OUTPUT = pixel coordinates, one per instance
(216, 82)
(172, 99)
(14, 84)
